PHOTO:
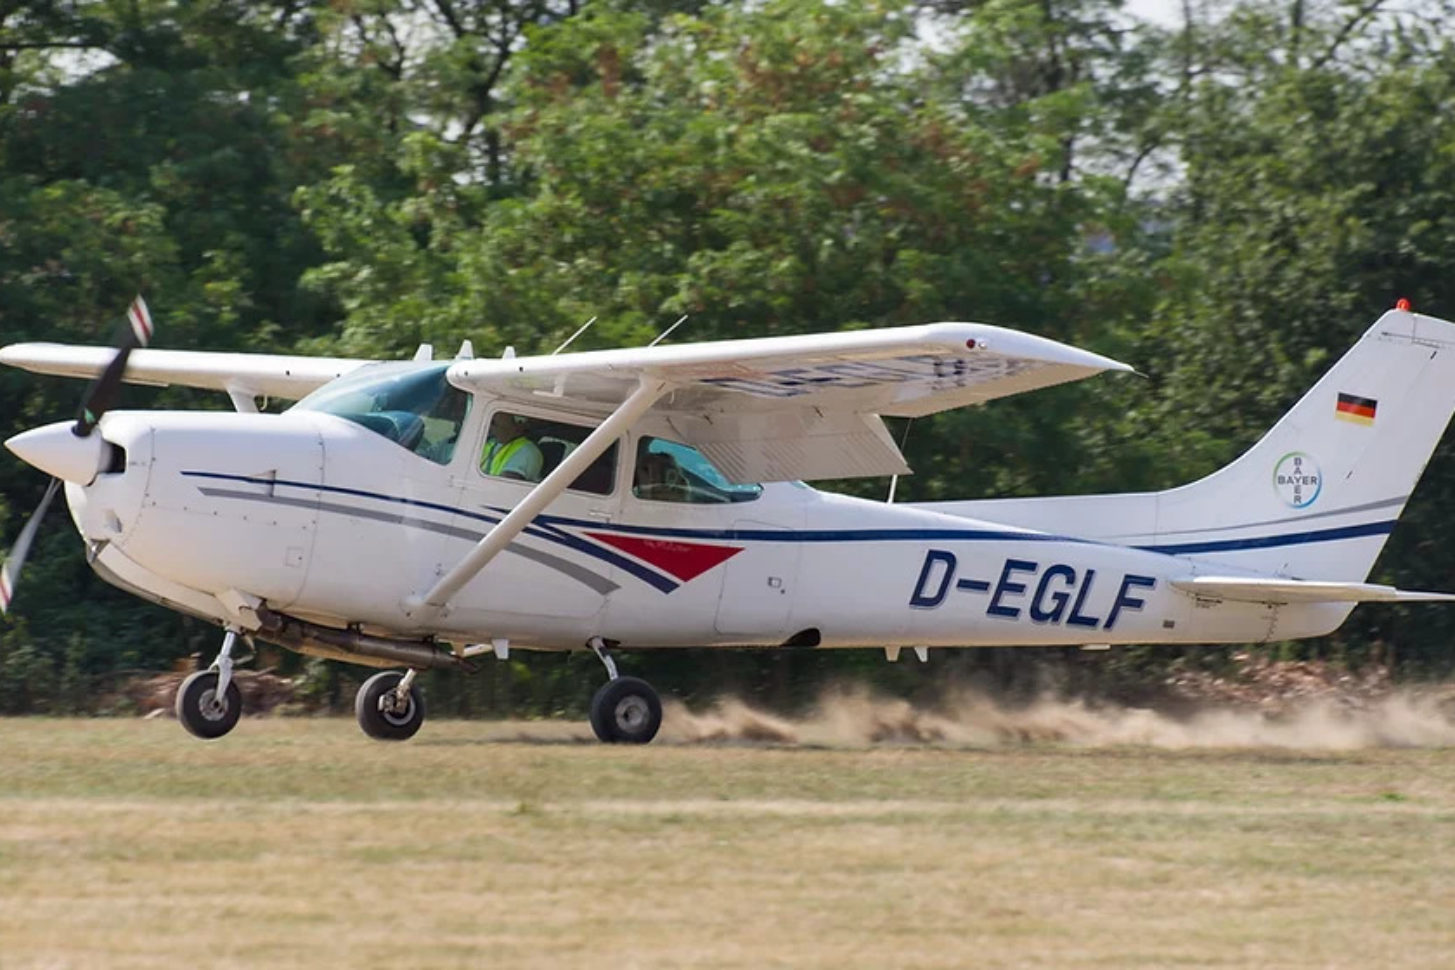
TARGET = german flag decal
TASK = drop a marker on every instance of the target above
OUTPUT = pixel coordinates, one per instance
(1360, 410)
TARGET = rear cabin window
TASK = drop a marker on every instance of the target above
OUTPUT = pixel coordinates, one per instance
(525, 448)
(669, 471)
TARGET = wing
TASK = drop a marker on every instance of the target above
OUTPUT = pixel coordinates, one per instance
(804, 407)
(274, 375)
(1258, 590)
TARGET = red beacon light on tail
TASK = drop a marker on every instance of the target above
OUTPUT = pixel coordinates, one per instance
(1402, 304)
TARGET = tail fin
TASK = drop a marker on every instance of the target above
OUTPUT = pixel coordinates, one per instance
(1318, 495)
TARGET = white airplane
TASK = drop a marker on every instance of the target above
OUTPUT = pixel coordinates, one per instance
(417, 514)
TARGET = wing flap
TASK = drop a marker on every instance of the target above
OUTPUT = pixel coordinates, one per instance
(801, 444)
(1282, 591)
(275, 375)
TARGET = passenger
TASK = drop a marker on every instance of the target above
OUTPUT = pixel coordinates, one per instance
(655, 476)
(508, 452)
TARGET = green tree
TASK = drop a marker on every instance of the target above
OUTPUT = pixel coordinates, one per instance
(1317, 144)
(143, 147)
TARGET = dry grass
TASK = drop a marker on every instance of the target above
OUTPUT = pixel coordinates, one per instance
(297, 843)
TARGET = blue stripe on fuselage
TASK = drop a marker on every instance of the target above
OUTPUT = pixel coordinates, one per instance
(1269, 542)
(987, 535)
(548, 527)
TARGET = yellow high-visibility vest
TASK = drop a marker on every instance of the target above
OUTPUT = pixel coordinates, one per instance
(497, 456)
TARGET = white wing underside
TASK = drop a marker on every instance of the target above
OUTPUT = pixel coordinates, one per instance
(273, 375)
(804, 407)
(770, 409)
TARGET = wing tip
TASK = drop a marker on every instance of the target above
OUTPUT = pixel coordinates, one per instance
(990, 337)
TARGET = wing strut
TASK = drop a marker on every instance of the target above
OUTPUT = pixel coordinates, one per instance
(646, 394)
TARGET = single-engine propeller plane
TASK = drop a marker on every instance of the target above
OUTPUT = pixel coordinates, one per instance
(417, 514)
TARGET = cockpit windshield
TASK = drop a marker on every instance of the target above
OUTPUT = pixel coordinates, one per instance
(412, 406)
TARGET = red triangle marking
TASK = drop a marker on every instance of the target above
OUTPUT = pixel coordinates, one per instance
(684, 560)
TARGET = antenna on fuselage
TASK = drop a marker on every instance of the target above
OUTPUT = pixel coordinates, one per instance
(894, 479)
(579, 331)
(663, 335)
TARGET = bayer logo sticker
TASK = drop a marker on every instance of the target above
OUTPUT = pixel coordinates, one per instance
(1297, 479)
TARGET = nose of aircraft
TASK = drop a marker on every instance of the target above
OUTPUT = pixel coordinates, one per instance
(56, 450)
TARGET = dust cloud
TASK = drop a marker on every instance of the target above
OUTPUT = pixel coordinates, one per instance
(856, 717)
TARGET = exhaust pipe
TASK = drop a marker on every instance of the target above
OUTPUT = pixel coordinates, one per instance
(351, 646)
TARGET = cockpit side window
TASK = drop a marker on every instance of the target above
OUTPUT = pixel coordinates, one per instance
(414, 407)
(669, 471)
(528, 449)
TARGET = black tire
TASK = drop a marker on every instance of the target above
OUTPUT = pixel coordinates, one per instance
(388, 725)
(199, 709)
(626, 711)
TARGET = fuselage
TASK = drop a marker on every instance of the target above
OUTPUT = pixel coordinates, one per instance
(332, 521)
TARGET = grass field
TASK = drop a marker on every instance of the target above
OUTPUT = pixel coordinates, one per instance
(298, 843)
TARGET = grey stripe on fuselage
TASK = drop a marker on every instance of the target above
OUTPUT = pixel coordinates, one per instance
(595, 581)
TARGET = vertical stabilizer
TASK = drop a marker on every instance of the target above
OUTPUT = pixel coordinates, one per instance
(1318, 495)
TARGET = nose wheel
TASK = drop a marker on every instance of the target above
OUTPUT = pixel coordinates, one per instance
(204, 709)
(208, 702)
(626, 710)
(389, 707)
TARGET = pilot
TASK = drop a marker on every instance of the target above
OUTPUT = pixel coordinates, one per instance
(508, 452)
(449, 413)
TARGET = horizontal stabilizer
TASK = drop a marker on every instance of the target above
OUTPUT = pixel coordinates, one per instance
(1270, 590)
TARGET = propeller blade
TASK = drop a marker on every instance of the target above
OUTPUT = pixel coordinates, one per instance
(102, 394)
(10, 571)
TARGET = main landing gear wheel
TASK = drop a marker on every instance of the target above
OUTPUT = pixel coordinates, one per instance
(385, 711)
(626, 711)
(202, 711)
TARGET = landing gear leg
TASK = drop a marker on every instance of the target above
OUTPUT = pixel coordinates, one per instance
(625, 710)
(389, 706)
(208, 702)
